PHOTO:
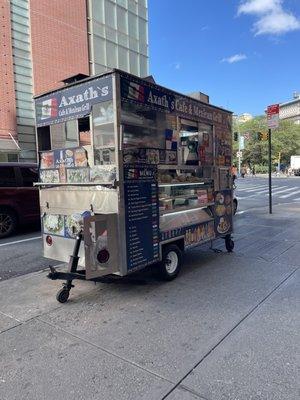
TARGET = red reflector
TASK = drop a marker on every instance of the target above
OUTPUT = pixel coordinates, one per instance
(103, 256)
(49, 240)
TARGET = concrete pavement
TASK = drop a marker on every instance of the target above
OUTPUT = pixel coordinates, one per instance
(226, 328)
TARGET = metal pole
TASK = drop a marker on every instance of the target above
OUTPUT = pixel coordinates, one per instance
(270, 172)
(239, 166)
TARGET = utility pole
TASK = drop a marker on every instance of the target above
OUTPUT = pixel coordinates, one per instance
(278, 165)
(273, 123)
(239, 142)
(270, 170)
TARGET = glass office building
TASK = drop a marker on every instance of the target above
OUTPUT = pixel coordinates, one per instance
(118, 35)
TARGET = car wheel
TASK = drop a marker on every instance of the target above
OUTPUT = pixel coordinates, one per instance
(8, 222)
(171, 262)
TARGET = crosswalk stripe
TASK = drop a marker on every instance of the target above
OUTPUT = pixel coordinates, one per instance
(263, 191)
(253, 188)
(293, 191)
(289, 194)
(286, 190)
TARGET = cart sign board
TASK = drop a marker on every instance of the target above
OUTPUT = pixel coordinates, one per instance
(141, 214)
(71, 103)
(134, 90)
(273, 116)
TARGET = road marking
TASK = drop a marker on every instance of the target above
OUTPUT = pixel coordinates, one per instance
(286, 190)
(252, 188)
(289, 194)
(20, 241)
(279, 191)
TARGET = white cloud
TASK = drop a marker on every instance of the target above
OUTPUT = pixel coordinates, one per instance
(258, 6)
(235, 58)
(272, 18)
(176, 65)
(276, 23)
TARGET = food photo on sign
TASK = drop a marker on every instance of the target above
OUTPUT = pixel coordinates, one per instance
(223, 211)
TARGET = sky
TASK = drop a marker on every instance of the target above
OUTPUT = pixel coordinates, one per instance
(245, 54)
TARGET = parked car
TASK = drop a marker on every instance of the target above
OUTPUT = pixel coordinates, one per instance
(19, 199)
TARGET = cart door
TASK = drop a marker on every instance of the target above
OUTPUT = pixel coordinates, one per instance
(100, 245)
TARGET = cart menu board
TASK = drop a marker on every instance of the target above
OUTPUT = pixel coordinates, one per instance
(141, 215)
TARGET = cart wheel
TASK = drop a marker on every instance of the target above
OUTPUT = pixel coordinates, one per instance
(229, 244)
(171, 262)
(235, 205)
(62, 295)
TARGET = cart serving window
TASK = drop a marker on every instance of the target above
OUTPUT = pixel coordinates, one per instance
(136, 171)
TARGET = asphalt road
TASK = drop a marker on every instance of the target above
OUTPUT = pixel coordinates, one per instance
(253, 192)
(22, 253)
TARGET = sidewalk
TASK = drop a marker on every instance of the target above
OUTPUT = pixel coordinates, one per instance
(227, 328)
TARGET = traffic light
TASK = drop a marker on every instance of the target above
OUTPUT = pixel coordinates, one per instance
(236, 136)
(259, 136)
(266, 135)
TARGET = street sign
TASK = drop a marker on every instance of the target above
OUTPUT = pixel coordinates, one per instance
(242, 142)
(273, 116)
(239, 154)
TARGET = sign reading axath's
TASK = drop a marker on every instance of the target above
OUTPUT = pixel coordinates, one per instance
(138, 92)
(73, 102)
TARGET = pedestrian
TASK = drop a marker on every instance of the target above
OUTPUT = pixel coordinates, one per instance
(234, 172)
(243, 172)
(253, 170)
(290, 171)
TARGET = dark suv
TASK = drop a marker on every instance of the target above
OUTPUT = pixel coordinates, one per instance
(19, 199)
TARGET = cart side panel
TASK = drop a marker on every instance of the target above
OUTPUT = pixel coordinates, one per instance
(63, 210)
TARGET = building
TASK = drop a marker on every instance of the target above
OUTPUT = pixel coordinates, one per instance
(291, 109)
(245, 117)
(43, 42)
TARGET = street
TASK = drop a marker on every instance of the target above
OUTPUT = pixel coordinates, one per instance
(22, 253)
(253, 192)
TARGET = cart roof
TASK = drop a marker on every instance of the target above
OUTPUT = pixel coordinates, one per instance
(126, 74)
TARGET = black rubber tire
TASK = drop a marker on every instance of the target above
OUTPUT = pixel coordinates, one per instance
(162, 271)
(62, 295)
(235, 206)
(8, 222)
(229, 244)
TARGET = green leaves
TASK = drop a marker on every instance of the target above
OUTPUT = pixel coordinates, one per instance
(285, 140)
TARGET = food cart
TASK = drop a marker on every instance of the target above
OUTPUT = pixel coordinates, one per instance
(131, 174)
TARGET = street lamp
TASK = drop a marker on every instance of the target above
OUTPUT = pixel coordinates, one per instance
(239, 143)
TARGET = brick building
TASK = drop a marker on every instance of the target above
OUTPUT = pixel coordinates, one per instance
(43, 42)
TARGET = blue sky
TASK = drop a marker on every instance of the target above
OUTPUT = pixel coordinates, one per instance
(244, 54)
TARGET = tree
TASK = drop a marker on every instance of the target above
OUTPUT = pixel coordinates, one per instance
(285, 141)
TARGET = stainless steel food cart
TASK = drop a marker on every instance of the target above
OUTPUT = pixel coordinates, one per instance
(131, 175)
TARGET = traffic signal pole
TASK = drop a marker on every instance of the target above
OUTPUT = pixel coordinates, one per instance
(270, 172)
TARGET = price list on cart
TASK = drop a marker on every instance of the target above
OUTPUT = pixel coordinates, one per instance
(141, 211)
